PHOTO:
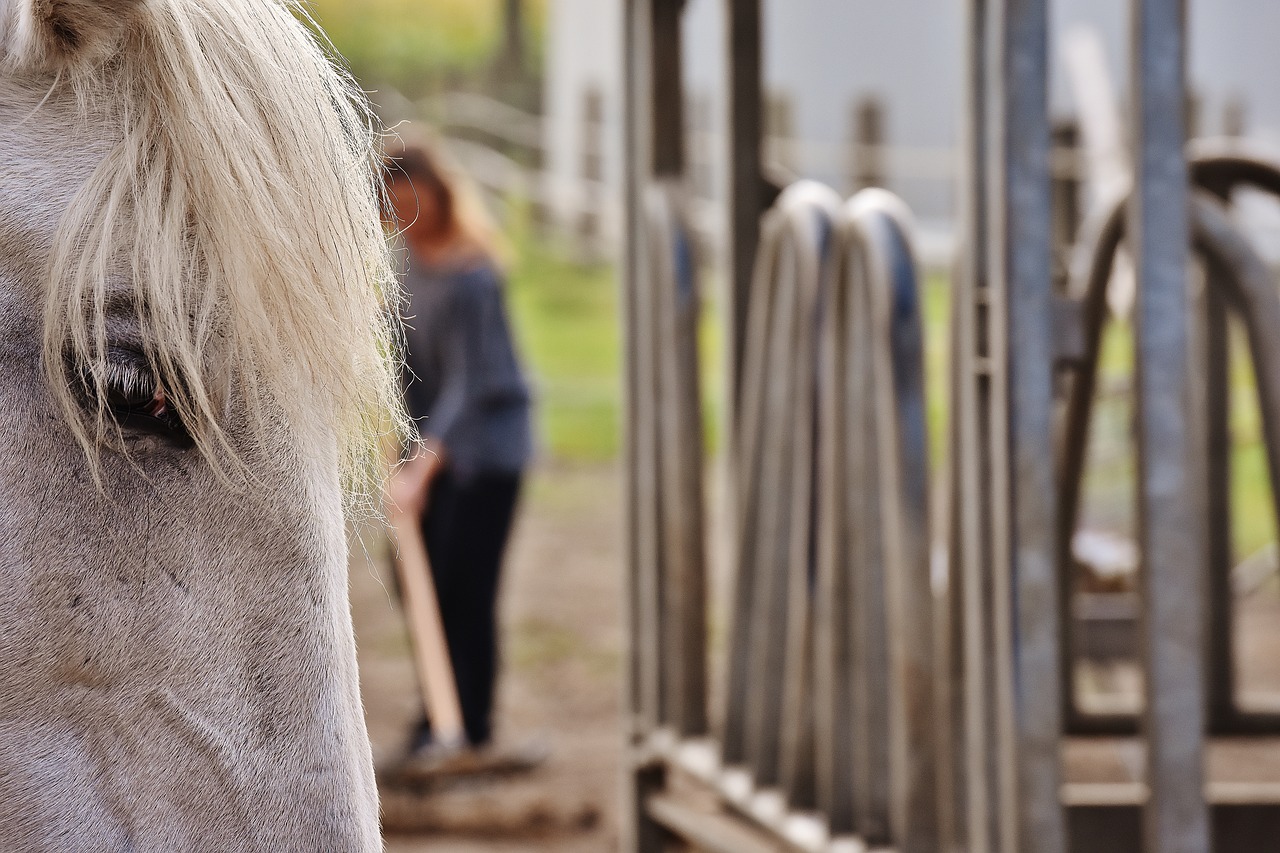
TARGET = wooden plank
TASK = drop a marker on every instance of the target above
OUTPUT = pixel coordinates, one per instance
(1117, 828)
(708, 830)
(640, 832)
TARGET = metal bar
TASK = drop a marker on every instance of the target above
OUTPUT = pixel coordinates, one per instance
(833, 600)
(745, 474)
(1219, 173)
(871, 682)
(952, 817)
(1176, 816)
(639, 833)
(680, 436)
(796, 765)
(1101, 240)
(1214, 359)
(902, 445)
(768, 618)
(745, 200)
(639, 493)
(1022, 257)
(979, 735)
(667, 89)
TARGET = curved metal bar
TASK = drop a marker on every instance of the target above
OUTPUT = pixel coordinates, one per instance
(1252, 292)
(897, 439)
(1213, 167)
(1222, 165)
(772, 474)
(796, 761)
(678, 422)
(863, 572)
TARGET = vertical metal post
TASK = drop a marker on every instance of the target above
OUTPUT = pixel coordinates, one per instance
(648, 151)
(667, 109)
(975, 607)
(1215, 406)
(592, 172)
(744, 208)
(630, 273)
(866, 144)
(639, 834)
(1021, 258)
(746, 185)
(1176, 818)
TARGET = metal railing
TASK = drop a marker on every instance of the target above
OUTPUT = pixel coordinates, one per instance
(863, 705)
(829, 662)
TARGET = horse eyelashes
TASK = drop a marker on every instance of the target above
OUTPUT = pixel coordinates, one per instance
(125, 385)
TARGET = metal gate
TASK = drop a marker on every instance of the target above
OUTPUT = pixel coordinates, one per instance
(867, 699)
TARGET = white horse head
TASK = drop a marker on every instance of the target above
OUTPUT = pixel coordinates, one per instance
(193, 368)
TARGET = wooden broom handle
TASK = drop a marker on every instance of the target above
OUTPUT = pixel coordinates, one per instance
(426, 632)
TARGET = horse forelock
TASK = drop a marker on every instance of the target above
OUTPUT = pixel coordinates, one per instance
(239, 197)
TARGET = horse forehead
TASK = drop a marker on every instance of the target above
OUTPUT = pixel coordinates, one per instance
(48, 153)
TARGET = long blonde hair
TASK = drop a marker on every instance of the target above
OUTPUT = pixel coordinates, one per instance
(241, 197)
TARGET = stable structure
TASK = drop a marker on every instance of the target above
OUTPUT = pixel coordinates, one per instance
(869, 695)
(910, 60)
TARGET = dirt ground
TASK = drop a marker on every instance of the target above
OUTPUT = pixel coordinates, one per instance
(561, 604)
(561, 613)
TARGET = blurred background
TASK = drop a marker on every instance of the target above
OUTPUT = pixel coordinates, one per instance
(525, 94)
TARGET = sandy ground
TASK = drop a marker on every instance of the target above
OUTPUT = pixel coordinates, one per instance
(562, 659)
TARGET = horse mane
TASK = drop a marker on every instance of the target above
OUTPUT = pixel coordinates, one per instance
(240, 199)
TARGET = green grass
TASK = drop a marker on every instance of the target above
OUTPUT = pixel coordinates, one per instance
(1110, 476)
(567, 323)
(415, 44)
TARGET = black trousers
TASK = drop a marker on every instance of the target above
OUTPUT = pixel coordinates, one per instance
(466, 528)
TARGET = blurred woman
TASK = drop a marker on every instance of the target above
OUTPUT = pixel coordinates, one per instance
(466, 394)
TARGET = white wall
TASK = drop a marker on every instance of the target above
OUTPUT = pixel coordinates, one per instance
(826, 53)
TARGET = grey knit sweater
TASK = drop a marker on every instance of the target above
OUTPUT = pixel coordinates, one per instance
(462, 379)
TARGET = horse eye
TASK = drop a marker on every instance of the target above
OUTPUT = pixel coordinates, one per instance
(125, 384)
(128, 388)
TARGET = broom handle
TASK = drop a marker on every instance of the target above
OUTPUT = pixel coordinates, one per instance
(426, 631)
